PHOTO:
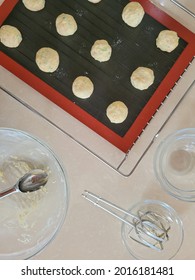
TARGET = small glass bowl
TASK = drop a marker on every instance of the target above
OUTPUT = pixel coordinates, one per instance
(29, 221)
(175, 233)
(174, 164)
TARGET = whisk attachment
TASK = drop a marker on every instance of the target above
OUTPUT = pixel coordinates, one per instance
(148, 228)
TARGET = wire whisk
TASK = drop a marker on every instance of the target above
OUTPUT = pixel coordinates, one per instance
(147, 228)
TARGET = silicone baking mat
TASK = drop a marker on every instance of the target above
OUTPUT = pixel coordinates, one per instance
(131, 47)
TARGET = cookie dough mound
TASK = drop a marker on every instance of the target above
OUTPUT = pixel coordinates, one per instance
(142, 78)
(94, 1)
(34, 5)
(101, 51)
(47, 59)
(167, 40)
(10, 36)
(133, 14)
(117, 112)
(66, 24)
(82, 87)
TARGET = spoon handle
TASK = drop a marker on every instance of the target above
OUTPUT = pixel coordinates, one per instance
(8, 192)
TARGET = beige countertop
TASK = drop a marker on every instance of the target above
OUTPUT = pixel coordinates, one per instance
(88, 232)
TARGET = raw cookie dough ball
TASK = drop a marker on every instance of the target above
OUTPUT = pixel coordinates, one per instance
(167, 40)
(34, 5)
(47, 59)
(117, 112)
(101, 50)
(94, 1)
(82, 87)
(142, 78)
(10, 36)
(133, 14)
(66, 24)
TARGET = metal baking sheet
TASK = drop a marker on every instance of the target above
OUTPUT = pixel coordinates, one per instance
(131, 47)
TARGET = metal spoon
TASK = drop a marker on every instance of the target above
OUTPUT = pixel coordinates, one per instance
(30, 182)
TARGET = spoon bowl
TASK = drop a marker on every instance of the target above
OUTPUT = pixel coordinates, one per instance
(31, 181)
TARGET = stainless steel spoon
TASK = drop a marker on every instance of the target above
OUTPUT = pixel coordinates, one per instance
(30, 182)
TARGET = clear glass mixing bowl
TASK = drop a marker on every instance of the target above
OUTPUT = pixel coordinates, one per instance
(174, 164)
(170, 219)
(29, 221)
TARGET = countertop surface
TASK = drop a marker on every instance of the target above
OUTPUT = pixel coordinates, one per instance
(91, 163)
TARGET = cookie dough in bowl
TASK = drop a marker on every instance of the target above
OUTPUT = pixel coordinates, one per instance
(10, 36)
(101, 51)
(34, 5)
(142, 78)
(66, 24)
(47, 59)
(133, 14)
(167, 40)
(29, 221)
(117, 112)
(82, 87)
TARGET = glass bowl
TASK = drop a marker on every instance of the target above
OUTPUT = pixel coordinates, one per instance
(174, 164)
(29, 221)
(170, 219)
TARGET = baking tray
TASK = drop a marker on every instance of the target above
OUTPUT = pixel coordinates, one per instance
(131, 48)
